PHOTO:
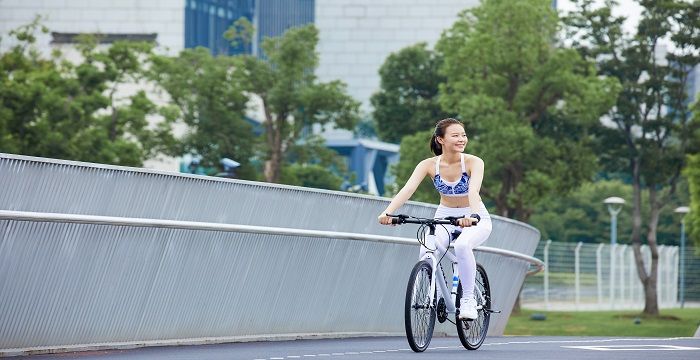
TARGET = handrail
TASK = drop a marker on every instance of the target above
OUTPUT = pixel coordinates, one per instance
(207, 226)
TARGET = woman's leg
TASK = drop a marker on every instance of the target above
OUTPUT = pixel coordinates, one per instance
(470, 238)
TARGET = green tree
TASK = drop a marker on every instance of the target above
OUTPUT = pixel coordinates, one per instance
(208, 95)
(692, 172)
(528, 105)
(582, 216)
(653, 127)
(407, 100)
(311, 164)
(292, 97)
(413, 149)
(53, 108)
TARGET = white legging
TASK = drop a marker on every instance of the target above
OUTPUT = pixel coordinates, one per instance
(470, 238)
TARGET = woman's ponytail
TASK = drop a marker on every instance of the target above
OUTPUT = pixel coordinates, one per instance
(435, 146)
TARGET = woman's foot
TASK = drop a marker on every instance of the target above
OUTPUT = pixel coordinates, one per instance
(467, 309)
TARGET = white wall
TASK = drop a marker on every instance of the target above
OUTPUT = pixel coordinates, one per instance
(164, 17)
(356, 36)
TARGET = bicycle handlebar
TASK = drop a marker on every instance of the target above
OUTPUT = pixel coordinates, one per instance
(407, 219)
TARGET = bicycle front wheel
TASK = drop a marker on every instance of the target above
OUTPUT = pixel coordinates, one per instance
(419, 313)
(472, 333)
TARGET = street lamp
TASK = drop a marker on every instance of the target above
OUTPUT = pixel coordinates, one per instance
(614, 206)
(682, 210)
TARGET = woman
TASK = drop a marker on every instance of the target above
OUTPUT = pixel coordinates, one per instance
(459, 198)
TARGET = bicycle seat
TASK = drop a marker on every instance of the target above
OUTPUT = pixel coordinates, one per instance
(455, 234)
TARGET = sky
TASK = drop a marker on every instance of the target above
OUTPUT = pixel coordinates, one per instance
(628, 8)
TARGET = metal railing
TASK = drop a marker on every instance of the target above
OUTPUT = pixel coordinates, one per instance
(193, 225)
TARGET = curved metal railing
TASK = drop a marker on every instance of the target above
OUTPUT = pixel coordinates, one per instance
(194, 225)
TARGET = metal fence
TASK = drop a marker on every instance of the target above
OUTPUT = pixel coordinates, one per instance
(601, 276)
(178, 259)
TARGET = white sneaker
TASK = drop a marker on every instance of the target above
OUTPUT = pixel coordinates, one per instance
(467, 309)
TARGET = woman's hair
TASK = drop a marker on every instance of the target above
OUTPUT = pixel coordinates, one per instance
(440, 127)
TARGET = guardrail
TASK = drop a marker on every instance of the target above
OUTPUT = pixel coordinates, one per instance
(193, 225)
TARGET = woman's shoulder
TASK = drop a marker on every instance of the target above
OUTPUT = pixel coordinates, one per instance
(473, 159)
(428, 163)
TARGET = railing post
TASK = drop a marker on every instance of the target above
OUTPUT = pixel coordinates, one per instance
(577, 271)
(613, 249)
(546, 274)
(599, 273)
(621, 255)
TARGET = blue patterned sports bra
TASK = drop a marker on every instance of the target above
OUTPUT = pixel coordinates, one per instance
(452, 189)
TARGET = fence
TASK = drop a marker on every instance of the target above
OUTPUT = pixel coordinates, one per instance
(600, 276)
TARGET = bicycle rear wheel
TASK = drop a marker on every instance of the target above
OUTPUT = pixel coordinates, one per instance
(419, 313)
(473, 332)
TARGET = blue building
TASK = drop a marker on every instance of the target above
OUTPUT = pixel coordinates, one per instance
(369, 160)
(206, 21)
(274, 17)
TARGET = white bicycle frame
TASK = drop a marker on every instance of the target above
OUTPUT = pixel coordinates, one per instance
(450, 302)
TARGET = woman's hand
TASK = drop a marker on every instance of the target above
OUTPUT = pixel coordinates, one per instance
(384, 219)
(467, 221)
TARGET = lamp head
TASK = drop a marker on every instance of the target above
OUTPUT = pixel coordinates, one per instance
(682, 210)
(614, 200)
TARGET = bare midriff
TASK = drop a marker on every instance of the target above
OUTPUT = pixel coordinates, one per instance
(454, 202)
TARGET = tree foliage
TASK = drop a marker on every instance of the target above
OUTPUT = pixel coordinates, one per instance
(292, 96)
(529, 105)
(310, 163)
(407, 100)
(208, 95)
(692, 172)
(582, 216)
(54, 108)
(413, 149)
(653, 127)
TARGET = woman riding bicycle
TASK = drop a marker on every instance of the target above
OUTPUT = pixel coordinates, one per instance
(458, 198)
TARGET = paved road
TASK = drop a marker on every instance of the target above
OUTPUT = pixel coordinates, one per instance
(389, 348)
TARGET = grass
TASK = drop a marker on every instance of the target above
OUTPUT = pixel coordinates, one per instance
(670, 323)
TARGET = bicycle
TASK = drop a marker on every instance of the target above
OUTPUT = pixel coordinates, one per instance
(421, 306)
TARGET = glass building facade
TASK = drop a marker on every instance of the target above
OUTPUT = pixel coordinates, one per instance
(274, 17)
(207, 20)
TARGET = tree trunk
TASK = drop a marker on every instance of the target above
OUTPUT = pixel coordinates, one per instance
(273, 165)
(274, 142)
(651, 304)
(648, 280)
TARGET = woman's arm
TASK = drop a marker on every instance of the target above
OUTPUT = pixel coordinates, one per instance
(475, 179)
(419, 173)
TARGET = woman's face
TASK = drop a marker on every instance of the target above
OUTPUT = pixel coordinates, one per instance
(455, 139)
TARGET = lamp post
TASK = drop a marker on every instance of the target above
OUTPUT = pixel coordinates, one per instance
(614, 204)
(682, 210)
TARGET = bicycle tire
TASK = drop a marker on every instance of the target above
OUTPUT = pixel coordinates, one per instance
(472, 333)
(419, 315)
